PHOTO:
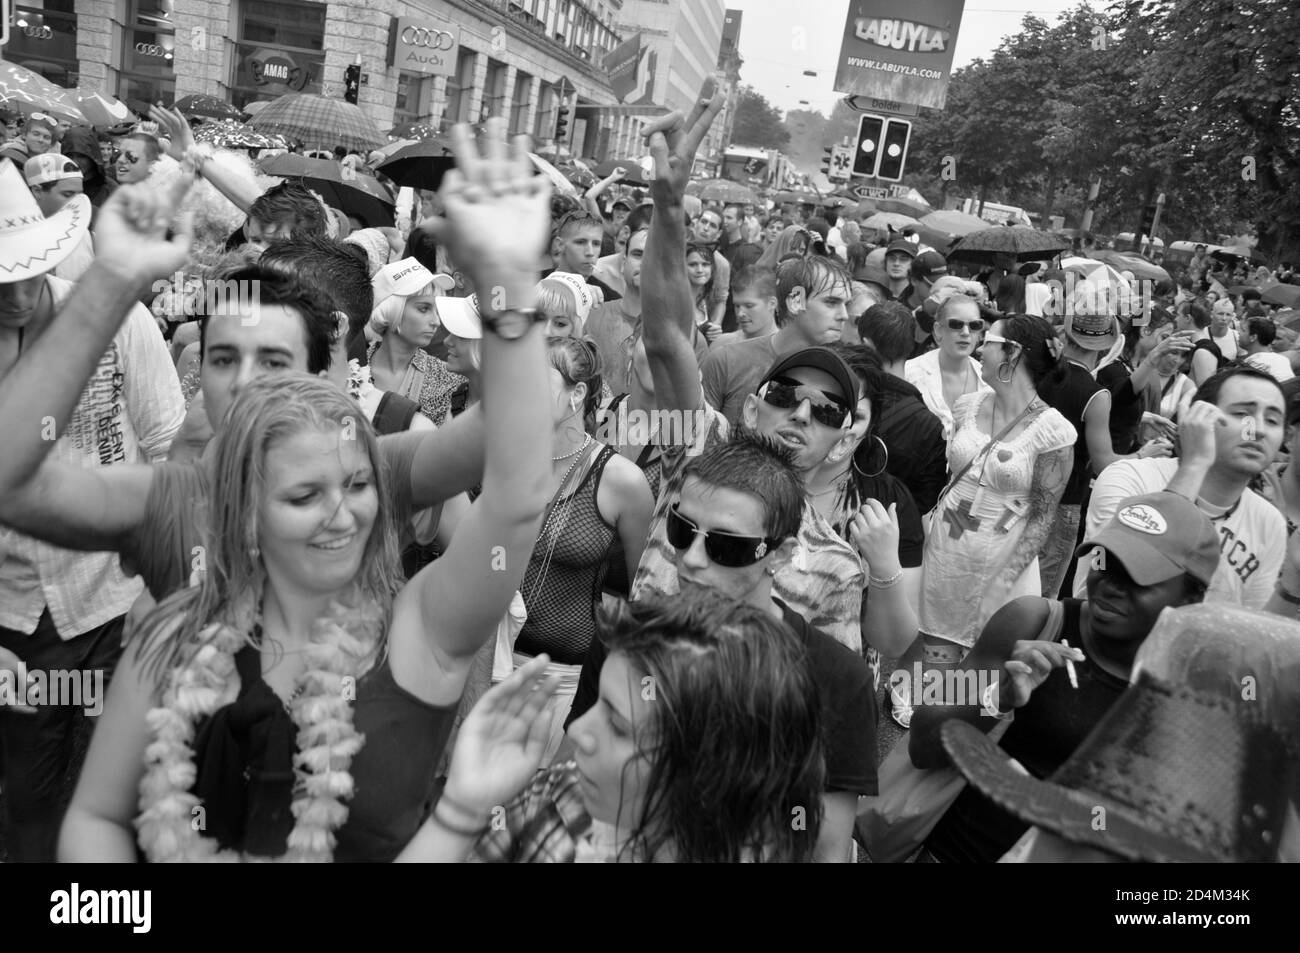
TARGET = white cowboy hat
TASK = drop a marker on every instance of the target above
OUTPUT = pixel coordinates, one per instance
(30, 243)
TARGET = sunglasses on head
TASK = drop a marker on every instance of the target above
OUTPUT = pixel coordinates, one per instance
(725, 549)
(785, 394)
(974, 327)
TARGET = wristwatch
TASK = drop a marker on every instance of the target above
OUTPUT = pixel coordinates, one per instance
(511, 325)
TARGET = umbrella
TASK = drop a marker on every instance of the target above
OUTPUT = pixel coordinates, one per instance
(992, 246)
(724, 190)
(796, 198)
(228, 134)
(1288, 296)
(101, 110)
(634, 176)
(1235, 252)
(579, 175)
(420, 165)
(209, 107)
(1290, 318)
(562, 185)
(1141, 268)
(253, 108)
(903, 206)
(865, 208)
(413, 130)
(30, 92)
(951, 221)
(319, 122)
(887, 220)
(839, 202)
(357, 194)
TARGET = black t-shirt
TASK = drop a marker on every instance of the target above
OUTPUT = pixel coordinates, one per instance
(887, 488)
(1126, 406)
(918, 454)
(1043, 736)
(848, 701)
(1070, 396)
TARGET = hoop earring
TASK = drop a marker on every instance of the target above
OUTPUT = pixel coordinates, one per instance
(883, 466)
(1010, 376)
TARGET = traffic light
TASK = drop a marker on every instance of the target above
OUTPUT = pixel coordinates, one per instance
(1148, 223)
(827, 151)
(351, 82)
(561, 121)
(893, 151)
(867, 151)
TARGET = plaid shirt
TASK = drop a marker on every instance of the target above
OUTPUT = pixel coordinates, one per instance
(545, 824)
(128, 413)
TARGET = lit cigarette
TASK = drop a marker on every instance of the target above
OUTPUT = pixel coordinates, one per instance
(1069, 668)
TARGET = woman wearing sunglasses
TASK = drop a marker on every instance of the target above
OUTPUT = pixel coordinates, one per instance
(1011, 456)
(949, 373)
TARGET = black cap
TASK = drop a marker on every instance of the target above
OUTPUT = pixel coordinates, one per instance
(822, 359)
(902, 245)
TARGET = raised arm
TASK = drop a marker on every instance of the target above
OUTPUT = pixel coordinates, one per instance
(594, 193)
(453, 606)
(233, 183)
(85, 509)
(667, 306)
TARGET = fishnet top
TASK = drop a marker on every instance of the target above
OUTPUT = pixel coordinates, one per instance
(562, 604)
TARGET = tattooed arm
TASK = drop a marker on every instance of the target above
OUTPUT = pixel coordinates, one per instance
(1051, 473)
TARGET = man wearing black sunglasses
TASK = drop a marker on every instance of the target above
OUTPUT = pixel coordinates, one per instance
(805, 402)
(733, 527)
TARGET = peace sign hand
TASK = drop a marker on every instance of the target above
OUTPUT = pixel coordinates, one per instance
(673, 143)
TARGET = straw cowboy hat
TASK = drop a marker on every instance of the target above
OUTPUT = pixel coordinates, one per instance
(30, 243)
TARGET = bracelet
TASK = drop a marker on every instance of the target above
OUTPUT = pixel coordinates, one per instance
(442, 822)
(885, 583)
(1285, 595)
(993, 708)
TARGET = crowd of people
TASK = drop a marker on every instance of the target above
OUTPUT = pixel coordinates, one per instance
(547, 529)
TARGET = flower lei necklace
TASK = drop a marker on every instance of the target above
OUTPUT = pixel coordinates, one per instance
(359, 381)
(341, 643)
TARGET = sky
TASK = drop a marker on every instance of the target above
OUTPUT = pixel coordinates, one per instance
(775, 67)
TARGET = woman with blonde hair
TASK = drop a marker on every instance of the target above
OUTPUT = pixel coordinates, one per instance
(566, 299)
(294, 703)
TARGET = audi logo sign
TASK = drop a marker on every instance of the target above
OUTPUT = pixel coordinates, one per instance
(151, 49)
(418, 46)
(38, 32)
(428, 39)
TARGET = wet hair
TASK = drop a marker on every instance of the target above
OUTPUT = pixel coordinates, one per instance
(576, 219)
(638, 219)
(578, 362)
(787, 247)
(856, 254)
(813, 274)
(734, 744)
(274, 287)
(1010, 298)
(890, 328)
(266, 411)
(706, 253)
(291, 202)
(761, 280)
(1263, 330)
(422, 246)
(754, 464)
(1032, 334)
(1199, 312)
(1209, 391)
(331, 266)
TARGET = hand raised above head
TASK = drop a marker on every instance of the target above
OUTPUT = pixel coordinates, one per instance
(673, 142)
(131, 231)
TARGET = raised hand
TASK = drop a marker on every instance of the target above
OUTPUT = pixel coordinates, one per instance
(1198, 430)
(131, 231)
(673, 143)
(498, 215)
(502, 740)
(176, 129)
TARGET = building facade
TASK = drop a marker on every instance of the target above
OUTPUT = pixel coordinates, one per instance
(522, 59)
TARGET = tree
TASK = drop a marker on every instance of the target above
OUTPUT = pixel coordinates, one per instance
(758, 123)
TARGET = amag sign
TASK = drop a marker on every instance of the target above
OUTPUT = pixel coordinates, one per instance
(420, 45)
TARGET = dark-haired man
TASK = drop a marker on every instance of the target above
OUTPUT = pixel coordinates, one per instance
(1256, 337)
(1229, 436)
(812, 305)
(576, 248)
(753, 293)
(732, 527)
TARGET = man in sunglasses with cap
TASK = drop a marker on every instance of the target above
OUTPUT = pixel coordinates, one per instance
(807, 402)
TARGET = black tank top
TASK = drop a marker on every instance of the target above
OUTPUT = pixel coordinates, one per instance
(562, 603)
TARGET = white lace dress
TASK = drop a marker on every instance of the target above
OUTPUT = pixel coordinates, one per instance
(978, 524)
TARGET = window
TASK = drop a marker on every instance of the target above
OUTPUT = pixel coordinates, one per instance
(280, 49)
(519, 103)
(494, 90)
(43, 38)
(460, 88)
(414, 93)
(148, 43)
(544, 120)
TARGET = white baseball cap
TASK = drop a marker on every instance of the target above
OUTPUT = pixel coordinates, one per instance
(460, 317)
(50, 167)
(405, 278)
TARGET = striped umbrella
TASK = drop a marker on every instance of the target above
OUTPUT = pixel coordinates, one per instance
(319, 122)
(30, 92)
(101, 110)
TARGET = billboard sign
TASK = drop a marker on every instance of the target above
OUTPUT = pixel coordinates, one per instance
(621, 63)
(419, 45)
(899, 50)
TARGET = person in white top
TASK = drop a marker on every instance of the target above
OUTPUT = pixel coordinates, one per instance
(1223, 328)
(1230, 435)
(950, 372)
(1256, 337)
